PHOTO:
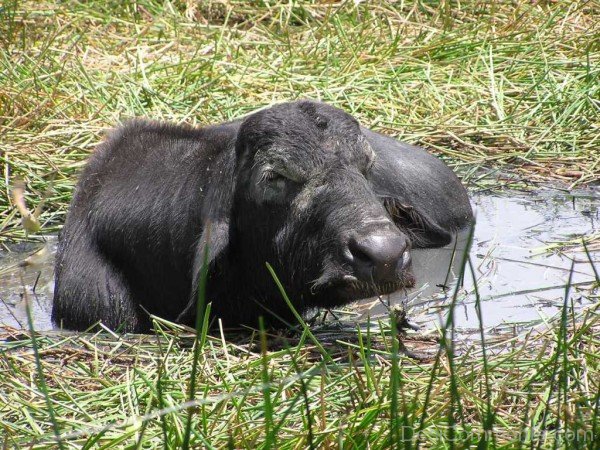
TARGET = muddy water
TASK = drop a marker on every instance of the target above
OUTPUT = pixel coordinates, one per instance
(520, 272)
(520, 281)
(23, 267)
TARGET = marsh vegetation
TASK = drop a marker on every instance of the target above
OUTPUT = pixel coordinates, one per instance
(506, 93)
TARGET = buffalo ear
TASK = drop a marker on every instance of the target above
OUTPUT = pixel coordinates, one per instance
(419, 191)
(422, 231)
(215, 240)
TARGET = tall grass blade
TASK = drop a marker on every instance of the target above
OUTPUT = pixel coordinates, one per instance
(40, 370)
(299, 318)
(446, 349)
(557, 363)
(202, 322)
(488, 423)
(266, 388)
(304, 391)
(591, 260)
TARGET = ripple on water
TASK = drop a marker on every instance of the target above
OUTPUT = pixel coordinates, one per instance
(518, 280)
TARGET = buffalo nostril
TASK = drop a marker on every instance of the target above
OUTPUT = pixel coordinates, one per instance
(359, 252)
(379, 258)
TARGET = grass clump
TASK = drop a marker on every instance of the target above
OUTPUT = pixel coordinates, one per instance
(510, 85)
(132, 392)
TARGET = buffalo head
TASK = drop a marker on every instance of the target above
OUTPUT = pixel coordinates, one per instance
(303, 201)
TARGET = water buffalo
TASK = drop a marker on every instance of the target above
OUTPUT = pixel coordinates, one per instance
(331, 205)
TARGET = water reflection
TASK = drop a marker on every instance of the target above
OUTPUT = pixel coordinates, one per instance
(519, 269)
(518, 278)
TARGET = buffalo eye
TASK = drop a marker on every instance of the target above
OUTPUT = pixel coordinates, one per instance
(272, 177)
(273, 186)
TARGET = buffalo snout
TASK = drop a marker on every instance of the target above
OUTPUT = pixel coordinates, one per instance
(379, 257)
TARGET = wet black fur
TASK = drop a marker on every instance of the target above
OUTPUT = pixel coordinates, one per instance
(286, 185)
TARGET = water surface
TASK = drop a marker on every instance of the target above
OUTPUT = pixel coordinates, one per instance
(520, 267)
(520, 278)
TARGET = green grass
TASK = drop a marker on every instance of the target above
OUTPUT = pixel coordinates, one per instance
(132, 392)
(505, 92)
(507, 85)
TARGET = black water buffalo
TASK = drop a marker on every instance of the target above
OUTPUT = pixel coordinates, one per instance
(332, 206)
